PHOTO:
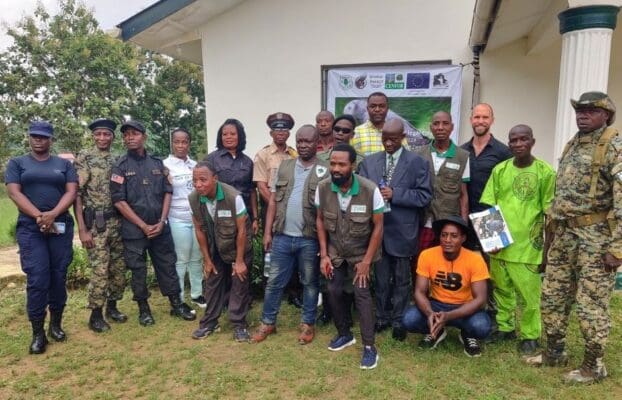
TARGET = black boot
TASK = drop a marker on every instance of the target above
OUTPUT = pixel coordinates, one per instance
(97, 322)
(39, 341)
(181, 309)
(144, 313)
(113, 313)
(56, 331)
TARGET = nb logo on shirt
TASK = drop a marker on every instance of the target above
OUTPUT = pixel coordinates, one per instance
(450, 281)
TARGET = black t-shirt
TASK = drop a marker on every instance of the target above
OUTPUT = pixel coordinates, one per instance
(481, 167)
(42, 182)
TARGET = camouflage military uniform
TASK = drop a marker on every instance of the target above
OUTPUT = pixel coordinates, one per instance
(575, 269)
(106, 256)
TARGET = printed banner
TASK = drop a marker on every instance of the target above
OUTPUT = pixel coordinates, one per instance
(415, 93)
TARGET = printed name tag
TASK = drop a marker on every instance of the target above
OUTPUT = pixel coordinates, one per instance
(224, 213)
(451, 165)
(359, 208)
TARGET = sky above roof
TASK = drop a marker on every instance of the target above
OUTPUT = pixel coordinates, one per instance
(107, 12)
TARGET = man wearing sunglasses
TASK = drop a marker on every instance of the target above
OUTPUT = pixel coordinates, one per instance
(343, 132)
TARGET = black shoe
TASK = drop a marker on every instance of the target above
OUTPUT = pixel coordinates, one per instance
(399, 333)
(181, 309)
(144, 314)
(202, 333)
(428, 342)
(381, 326)
(500, 336)
(527, 346)
(97, 322)
(39, 341)
(471, 346)
(200, 301)
(294, 301)
(113, 313)
(56, 331)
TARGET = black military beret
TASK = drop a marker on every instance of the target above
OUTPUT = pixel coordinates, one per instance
(103, 123)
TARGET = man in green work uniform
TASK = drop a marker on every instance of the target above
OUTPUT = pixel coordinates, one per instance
(523, 188)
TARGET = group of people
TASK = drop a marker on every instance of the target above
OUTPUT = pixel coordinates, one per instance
(350, 209)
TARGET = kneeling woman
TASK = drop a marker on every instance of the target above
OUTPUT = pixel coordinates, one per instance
(43, 187)
(219, 217)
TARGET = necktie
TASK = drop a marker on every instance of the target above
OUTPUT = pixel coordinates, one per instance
(390, 168)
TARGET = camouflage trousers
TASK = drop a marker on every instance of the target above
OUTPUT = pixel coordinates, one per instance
(576, 273)
(107, 263)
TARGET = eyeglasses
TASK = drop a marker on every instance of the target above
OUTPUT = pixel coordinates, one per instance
(340, 129)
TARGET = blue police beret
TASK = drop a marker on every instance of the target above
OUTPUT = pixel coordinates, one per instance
(41, 128)
(133, 124)
(103, 123)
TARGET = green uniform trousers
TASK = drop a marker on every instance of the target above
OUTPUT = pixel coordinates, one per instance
(510, 279)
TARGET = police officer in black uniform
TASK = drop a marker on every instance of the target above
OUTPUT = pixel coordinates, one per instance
(141, 191)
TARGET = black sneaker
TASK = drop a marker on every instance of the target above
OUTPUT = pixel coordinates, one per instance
(471, 346)
(199, 301)
(428, 342)
(202, 333)
(528, 347)
(241, 335)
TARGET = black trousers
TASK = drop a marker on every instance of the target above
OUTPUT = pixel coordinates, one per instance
(393, 290)
(162, 252)
(219, 288)
(362, 299)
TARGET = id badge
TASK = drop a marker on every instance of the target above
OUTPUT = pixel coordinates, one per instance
(59, 227)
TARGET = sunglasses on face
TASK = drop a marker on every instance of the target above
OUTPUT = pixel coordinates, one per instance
(340, 129)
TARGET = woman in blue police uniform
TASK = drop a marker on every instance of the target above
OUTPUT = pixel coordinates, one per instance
(43, 187)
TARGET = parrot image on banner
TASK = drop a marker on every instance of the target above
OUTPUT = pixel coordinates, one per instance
(358, 109)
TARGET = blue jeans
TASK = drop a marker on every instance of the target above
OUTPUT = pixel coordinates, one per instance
(188, 257)
(287, 253)
(477, 325)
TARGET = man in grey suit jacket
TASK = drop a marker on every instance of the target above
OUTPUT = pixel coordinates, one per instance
(404, 181)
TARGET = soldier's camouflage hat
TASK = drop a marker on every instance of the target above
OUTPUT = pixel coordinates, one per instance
(596, 100)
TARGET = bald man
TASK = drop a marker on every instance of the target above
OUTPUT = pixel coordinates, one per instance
(404, 181)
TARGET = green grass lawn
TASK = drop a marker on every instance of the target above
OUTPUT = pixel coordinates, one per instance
(163, 362)
(8, 216)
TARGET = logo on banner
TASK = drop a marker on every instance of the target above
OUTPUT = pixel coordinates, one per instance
(439, 81)
(361, 81)
(394, 81)
(345, 81)
(418, 80)
(376, 81)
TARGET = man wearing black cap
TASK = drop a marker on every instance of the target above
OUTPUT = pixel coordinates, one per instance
(141, 191)
(586, 244)
(99, 227)
(450, 290)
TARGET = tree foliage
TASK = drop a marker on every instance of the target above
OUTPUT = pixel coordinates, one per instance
(65, 69)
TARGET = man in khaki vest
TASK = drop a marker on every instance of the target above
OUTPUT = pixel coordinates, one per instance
(219, 216)
(349, 227)
(450, 164)
(291, 219)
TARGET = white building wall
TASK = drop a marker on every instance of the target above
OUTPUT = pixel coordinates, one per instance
(265, 56)
(523, 89)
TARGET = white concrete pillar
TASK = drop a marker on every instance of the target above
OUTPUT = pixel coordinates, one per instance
(586, 49)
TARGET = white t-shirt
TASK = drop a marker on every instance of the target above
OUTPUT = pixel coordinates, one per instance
(240, 207)
(181, 178)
